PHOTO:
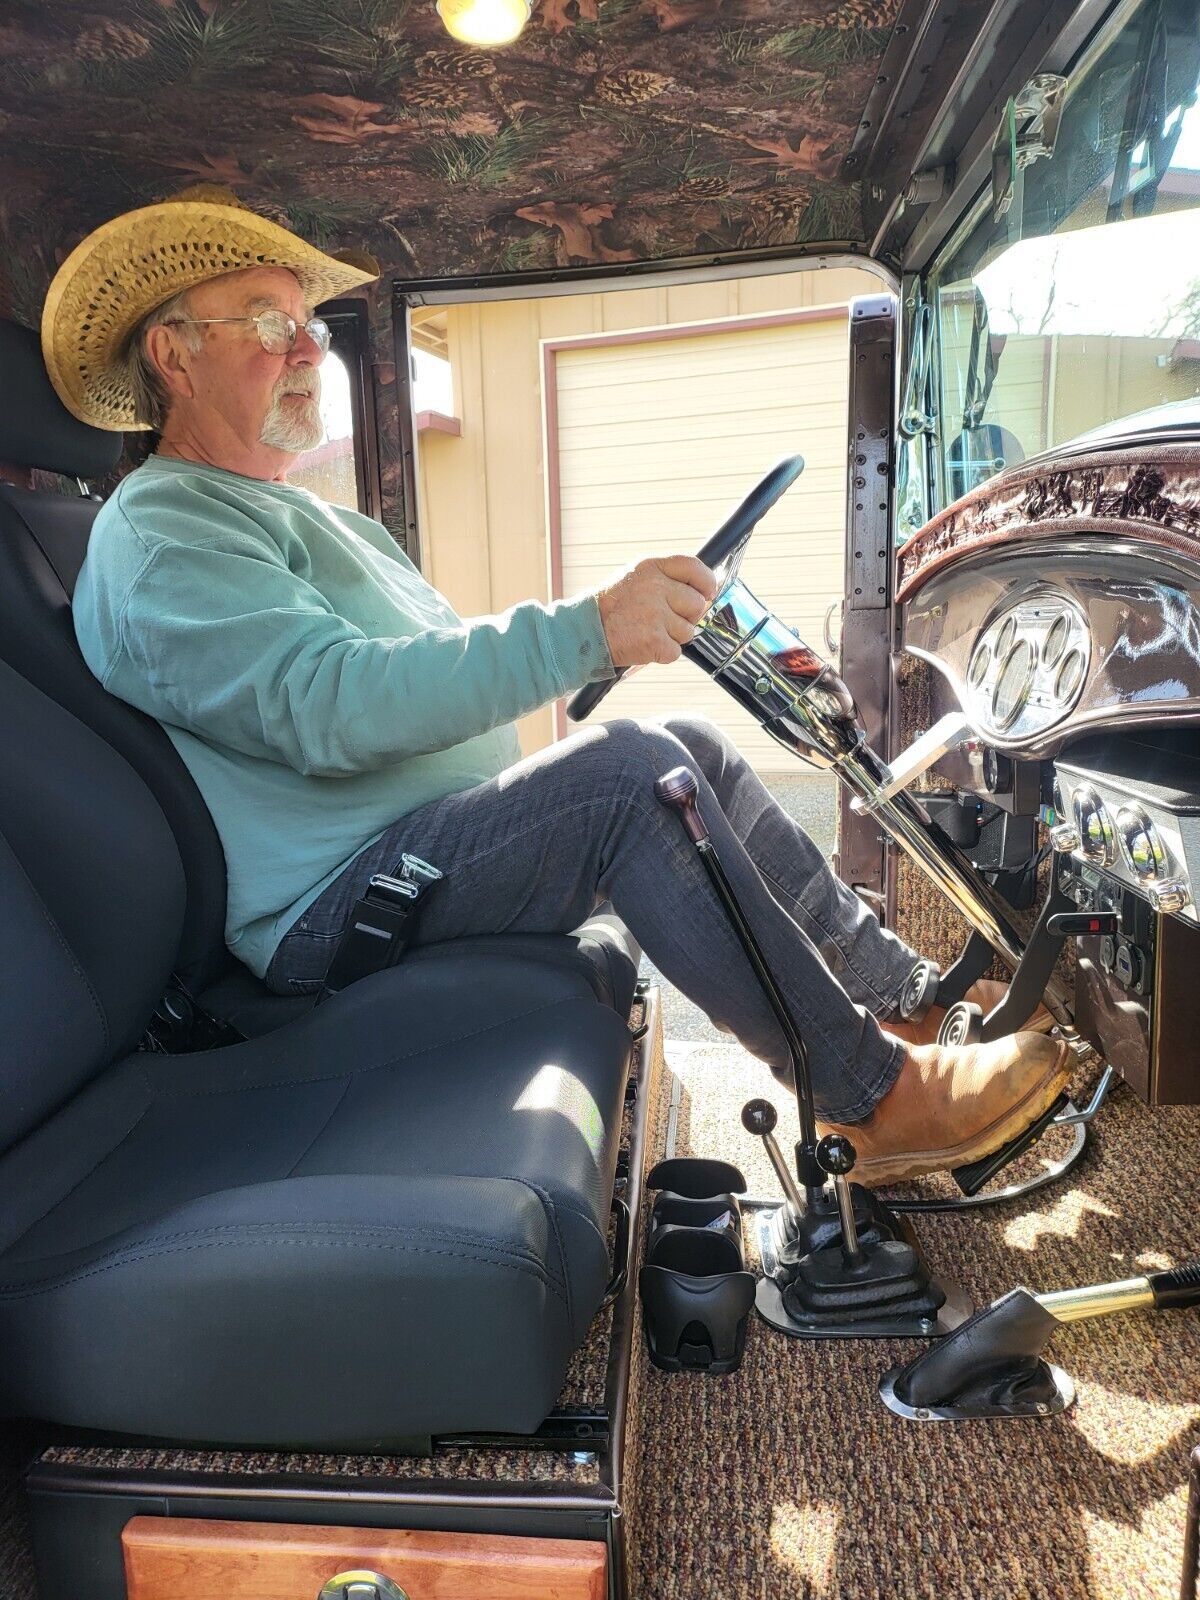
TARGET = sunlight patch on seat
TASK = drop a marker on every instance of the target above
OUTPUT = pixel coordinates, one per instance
(555, 1089)
(804, 1540)
(1065, 1219)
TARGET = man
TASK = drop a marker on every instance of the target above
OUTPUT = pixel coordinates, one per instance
(336, 713)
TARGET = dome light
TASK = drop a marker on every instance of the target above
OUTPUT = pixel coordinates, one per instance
(484, 22)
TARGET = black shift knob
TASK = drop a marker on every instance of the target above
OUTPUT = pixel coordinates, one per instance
(835, 1154)
(759, 1117)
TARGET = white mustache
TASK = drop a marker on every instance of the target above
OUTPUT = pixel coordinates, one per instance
(298, 385)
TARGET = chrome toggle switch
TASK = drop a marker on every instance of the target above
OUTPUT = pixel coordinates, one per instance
(1171, 894)
(1064, 837)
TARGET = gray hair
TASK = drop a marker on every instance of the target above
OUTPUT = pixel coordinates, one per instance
(151, 398)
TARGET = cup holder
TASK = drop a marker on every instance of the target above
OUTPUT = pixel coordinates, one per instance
(696, 1292)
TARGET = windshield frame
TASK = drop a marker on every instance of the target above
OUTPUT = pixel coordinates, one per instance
(935, 275)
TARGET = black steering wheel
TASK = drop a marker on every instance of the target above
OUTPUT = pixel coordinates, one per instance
(722, 552)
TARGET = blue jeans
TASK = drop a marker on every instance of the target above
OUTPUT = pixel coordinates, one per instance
(535, 849)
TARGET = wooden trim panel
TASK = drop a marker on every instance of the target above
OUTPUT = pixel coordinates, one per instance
(170, 1557)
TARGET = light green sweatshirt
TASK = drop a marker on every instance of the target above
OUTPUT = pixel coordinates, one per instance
(314, 684)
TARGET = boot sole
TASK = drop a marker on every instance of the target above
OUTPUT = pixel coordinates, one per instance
(908, 1164)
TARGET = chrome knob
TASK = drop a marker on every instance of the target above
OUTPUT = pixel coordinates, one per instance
(1172, 894)
(1064, 837)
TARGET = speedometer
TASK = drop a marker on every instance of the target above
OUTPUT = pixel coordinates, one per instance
(1013, 683)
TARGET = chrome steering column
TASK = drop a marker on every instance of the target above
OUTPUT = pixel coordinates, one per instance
(805, 705)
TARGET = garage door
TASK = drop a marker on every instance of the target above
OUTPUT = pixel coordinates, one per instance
(657, 440)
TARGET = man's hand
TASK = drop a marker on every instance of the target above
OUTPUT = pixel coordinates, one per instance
(650, 612)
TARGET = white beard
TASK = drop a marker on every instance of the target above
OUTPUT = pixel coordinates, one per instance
(290, 426)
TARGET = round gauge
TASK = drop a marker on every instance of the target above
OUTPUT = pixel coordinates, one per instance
(1055, 641)
(1013, 683)
(1094, 826)
(1008, 633)
(1069, 679)
(1140, 843)
(980, 662)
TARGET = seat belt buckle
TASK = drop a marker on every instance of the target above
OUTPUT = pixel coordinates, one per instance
(382, 923)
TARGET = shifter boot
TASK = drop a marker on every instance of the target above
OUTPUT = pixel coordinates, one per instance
(891, 1281)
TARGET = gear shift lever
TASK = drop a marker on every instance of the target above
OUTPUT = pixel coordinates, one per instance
(837, 1155)
(827, 1274)
(759, 1118)
(677, 791)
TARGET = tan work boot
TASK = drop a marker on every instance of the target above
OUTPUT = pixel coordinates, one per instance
(951, 1106)
(986, 994)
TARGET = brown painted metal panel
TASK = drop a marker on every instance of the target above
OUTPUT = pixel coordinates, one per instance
(1154, 1046)
(168, 1557)
(1175, 1031)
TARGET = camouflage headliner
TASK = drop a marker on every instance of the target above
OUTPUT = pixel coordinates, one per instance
(612, 131)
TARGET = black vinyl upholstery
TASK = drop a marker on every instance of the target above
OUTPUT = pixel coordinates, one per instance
(380, 1218)
(36, 429)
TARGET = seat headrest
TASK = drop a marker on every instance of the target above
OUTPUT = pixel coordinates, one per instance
(36, 429)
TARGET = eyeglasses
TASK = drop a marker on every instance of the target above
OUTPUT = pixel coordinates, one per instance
(276, 330)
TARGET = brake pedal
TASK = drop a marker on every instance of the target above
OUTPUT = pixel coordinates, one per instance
(972, 1177)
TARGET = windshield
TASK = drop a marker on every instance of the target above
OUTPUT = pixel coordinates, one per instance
(1079, 304)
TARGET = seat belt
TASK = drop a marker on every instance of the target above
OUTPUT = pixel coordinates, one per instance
(181, 1025)
(382, 924)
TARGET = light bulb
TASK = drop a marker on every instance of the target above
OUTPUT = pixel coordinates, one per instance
(484, 22)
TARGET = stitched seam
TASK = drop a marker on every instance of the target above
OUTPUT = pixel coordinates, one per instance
(548, 1207)
(67, 951)
(62, 1199)
(333, 1111)
(13, 1293)
(218, 1232)
(380, 1066)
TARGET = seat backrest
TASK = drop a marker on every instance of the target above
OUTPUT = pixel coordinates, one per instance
(43, 541)
(92, 891)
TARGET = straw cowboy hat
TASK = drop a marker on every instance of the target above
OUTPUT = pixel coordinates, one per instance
(119, 273)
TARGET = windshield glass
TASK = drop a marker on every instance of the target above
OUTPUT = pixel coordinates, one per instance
(1080, 304)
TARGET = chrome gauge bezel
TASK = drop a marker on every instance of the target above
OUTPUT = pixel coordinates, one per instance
(1056, 634)
(1085, 804)
(1133, 820)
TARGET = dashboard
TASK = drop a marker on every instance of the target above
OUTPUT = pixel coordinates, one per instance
(1058, 610)
(1040, 647)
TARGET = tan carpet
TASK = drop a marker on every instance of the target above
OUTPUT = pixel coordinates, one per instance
(790, 1479)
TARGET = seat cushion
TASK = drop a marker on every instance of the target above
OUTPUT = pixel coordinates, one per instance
(602, 951)
(388, 1219)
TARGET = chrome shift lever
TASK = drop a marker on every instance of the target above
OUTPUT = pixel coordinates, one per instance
(759, 1118)
(837, 1156)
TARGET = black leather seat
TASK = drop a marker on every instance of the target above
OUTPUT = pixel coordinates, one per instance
(375, 1220)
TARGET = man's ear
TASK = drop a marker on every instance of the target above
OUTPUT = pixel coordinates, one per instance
(171, 359)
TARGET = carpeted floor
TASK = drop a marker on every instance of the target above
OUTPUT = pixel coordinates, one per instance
(790, 1481)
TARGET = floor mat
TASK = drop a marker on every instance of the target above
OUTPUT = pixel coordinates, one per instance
(789, 1480)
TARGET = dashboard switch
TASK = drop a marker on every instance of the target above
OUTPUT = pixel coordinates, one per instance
(1082, 924)
(1064, 837)
(1171, 894)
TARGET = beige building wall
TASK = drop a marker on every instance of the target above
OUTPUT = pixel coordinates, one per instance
(482, 493)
